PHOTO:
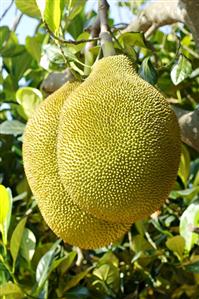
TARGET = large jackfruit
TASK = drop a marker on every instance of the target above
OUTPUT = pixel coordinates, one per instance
(118, 144)
(64, 217)
(101, 154)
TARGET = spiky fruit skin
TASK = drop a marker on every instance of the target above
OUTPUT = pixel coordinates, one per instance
(64, 217)
(118, 144)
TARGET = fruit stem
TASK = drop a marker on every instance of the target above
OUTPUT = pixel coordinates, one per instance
(105, 36)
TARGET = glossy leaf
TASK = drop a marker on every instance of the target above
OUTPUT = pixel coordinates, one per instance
(4, 35)
(194, 267)
(5, 211)
(9, 46)
(51, 13)
(140, 244)
(184, 167)
(76, 279)
(177, 245)
(67, 263)
(28, 7)
(78, 293)
(108, 274)
(44, 265)
(109, 258)
(12, 127)
(28, 244)
(10, 289)
(29, 98)
(189, 220)
(16, 239)
(74, 7)
(132, 39)
(33, 47)
(181, 70)
(147, 71)
(19, 64)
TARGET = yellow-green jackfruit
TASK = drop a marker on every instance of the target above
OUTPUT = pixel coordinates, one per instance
(101, 154)
(118, 144)
(63, 216)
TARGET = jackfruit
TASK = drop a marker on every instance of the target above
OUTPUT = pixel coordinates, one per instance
(118, 144)
(64, 217)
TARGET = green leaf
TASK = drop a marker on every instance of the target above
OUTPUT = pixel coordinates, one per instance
(44, 292)
(189, 220)
(131, 53)
(186, 193)
(44, 264)
(29, 98)
(148, 72)
(28, 244)
(76, 68)
(5, 211)
(16, 239)
(51, 54)
(132, 39)
(51, 13)
(74, 8)
(67, 263)
(28, 8)
(177, 245)
(140, 244)
(11, 289)
(56, 263)
(196, 180)
(194, 267)
(181, 70)
(141, 227)
(184, 168)
(33, 47)
(76, 279)
(109, 274)
(17, 65)
(79, 292)
(109, 258)
(9, 46)
(158, 226)
(79, 47)
(76, 25)
(12, 127)
(4, 35)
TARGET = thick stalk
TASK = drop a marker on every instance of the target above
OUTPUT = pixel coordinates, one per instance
(105, 36)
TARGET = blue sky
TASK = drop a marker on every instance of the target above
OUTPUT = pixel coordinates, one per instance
(27, 24)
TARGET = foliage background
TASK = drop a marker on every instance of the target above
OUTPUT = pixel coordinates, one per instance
(159, 257)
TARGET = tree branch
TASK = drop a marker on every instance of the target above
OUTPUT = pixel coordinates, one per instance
(6, 10)
(191, 17)
(157, 14)
(161, 13)
(189, 125)
(89, 58)
(70, 41)
(16, 22)
(106, 39)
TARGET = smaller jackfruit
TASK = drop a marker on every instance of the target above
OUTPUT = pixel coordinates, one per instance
(63, 216)
(118, 144)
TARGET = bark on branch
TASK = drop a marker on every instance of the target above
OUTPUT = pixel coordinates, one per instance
(161, 13)
(189, 125)
(157, 14)
(192, 17)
